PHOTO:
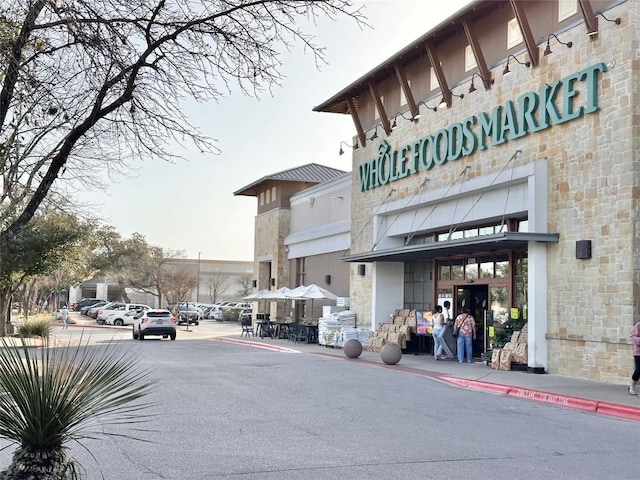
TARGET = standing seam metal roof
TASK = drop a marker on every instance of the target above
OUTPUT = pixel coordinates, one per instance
(310, 173)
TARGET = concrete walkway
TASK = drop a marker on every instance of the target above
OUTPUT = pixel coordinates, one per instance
(591, 396)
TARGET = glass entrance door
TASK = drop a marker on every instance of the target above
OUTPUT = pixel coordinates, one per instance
(476, 299)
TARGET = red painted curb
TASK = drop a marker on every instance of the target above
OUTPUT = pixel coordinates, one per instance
(248, 343)
(620, 411)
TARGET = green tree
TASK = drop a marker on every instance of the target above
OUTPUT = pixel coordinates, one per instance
(40, 248)
(54, 396)
(87, 86)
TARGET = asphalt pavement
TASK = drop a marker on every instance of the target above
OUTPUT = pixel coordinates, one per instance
(586, 395)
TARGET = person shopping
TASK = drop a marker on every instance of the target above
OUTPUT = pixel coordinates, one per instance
(635, 339)
(466, 326)
(448, 321)
(438, 325)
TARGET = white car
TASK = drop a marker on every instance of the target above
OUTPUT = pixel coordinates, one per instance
(119, 316)
(157, 321)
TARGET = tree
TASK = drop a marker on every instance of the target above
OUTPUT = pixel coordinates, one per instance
(178, 284)
(39, 249)
(149, 272)
(217, 286)
(245, 284)
(88, 85)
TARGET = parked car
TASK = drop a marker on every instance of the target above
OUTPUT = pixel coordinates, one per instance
(192, 314)
(85, 310)
(119, 316)
(85, 302)
(157, 321)
(234, 306)
(95, 312)
(245, 314)
(97, 308)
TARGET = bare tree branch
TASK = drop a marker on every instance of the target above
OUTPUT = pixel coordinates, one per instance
(90, 85)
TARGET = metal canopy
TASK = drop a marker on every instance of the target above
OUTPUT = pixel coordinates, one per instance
(463, 246)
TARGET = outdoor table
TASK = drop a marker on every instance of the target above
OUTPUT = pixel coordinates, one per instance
(264, 328)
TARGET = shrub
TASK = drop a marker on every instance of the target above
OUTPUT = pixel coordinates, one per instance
(35, 328)
(230, 314)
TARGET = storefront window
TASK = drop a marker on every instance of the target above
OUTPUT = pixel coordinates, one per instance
(502, 266)
(418, 286)
(499, 298)
(457, 269)
(471, 268)
(486, 267)
(444, 270)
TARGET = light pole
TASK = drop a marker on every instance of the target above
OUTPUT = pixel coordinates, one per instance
(198, 286)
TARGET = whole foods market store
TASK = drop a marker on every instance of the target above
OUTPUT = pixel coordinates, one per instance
(482, 252)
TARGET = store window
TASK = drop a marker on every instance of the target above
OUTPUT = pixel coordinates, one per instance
(502, 266)
(469, 59)
(301, 269)
(471, 269)
(418, 286)
(514, 35)
(487, 267)
(522, 285)
(566, 9)
(403, 97)
(444, 271)
(433, 79)
(457, 269)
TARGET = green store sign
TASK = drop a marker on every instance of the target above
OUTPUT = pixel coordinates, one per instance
(531, 112)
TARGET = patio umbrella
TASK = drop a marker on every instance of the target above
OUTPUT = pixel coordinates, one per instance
(258, 296)
(313, 291)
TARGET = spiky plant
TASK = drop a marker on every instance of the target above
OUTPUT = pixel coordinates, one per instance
(53, 396)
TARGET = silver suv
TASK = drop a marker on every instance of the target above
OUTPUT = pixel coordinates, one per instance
(157, 321)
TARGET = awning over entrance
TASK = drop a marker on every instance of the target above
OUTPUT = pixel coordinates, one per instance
(462, 246)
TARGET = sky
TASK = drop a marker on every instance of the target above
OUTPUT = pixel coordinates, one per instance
(200, 215)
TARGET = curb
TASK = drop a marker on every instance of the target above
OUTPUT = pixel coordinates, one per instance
(576, 403)
(567, 401)
(248, 343)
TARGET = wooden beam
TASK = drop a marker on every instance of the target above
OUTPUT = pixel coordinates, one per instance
(590, 20)
(381, 111)
(404, 84)
(525, 28)
(442, 81)
(472, 38)
(356, 121)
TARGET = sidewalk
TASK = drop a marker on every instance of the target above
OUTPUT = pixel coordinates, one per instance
(591, 396)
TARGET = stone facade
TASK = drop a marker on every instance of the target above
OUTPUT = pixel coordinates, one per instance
(592, 184)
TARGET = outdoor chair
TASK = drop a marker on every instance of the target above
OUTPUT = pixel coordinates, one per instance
(247, 328)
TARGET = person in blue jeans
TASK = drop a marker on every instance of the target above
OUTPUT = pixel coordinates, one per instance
(438, 325)
(466, 326)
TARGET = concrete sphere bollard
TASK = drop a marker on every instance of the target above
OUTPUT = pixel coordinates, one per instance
(352, 348)
(391, 353)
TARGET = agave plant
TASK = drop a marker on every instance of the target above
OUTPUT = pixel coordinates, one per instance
(51, 397)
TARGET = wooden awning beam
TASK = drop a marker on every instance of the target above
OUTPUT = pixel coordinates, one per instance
(442, 81)
(525, 28)
(356, 121)
(474, 43)
(408, 94)
(381, 111)
(590, 19)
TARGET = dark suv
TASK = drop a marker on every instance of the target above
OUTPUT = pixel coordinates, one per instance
(193, 314)
(87, 302)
